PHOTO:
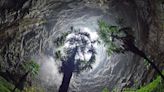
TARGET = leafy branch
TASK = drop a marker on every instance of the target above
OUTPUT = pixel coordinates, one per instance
(111, 33)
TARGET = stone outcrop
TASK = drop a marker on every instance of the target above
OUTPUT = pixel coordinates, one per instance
(33, 35)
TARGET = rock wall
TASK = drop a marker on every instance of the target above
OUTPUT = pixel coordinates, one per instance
(33, 36)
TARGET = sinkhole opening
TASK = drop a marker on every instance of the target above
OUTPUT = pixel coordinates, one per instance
(89, 62)
(84, 43)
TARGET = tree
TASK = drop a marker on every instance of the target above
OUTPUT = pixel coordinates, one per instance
(79, 45)
(111, 33)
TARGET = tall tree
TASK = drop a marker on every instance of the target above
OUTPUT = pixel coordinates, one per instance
(79, 55)
(111, 33)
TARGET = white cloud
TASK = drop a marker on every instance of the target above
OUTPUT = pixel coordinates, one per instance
(49, 71)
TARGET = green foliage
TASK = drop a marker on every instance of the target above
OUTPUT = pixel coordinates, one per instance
(105, 33)
(155, 86)
(5, 86)
(129, 90)
(33, 89)
(160, 87)
(146, 63)
(59, 41)
(79, 43)
(32, 67)
(58, 54)
(115, 90)
(63, 37)
(105, 90)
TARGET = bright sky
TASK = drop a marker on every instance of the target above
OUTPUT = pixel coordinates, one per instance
(93, 35)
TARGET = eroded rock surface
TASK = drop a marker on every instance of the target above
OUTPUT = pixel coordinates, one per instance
(32, 38)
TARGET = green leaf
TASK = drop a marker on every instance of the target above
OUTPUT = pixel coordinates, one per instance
(33, 67)
(105, 90)
(105, 32)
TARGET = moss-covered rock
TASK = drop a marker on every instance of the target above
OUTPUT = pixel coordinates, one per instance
(5, 86)
(33, 89)
(155, 86)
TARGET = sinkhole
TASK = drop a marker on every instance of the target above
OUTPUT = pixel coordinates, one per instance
(107, 71)
(61, 40)
(50, 69)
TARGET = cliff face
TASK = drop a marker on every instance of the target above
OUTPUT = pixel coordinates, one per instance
(32, 36)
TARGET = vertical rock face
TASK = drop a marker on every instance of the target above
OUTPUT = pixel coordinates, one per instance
(33, 36)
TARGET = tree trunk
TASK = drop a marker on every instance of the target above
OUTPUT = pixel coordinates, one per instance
(153, 65)
(135, 50)
(66, 80)
(68, 68)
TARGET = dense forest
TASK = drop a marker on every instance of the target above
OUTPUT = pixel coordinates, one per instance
(81, 46)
